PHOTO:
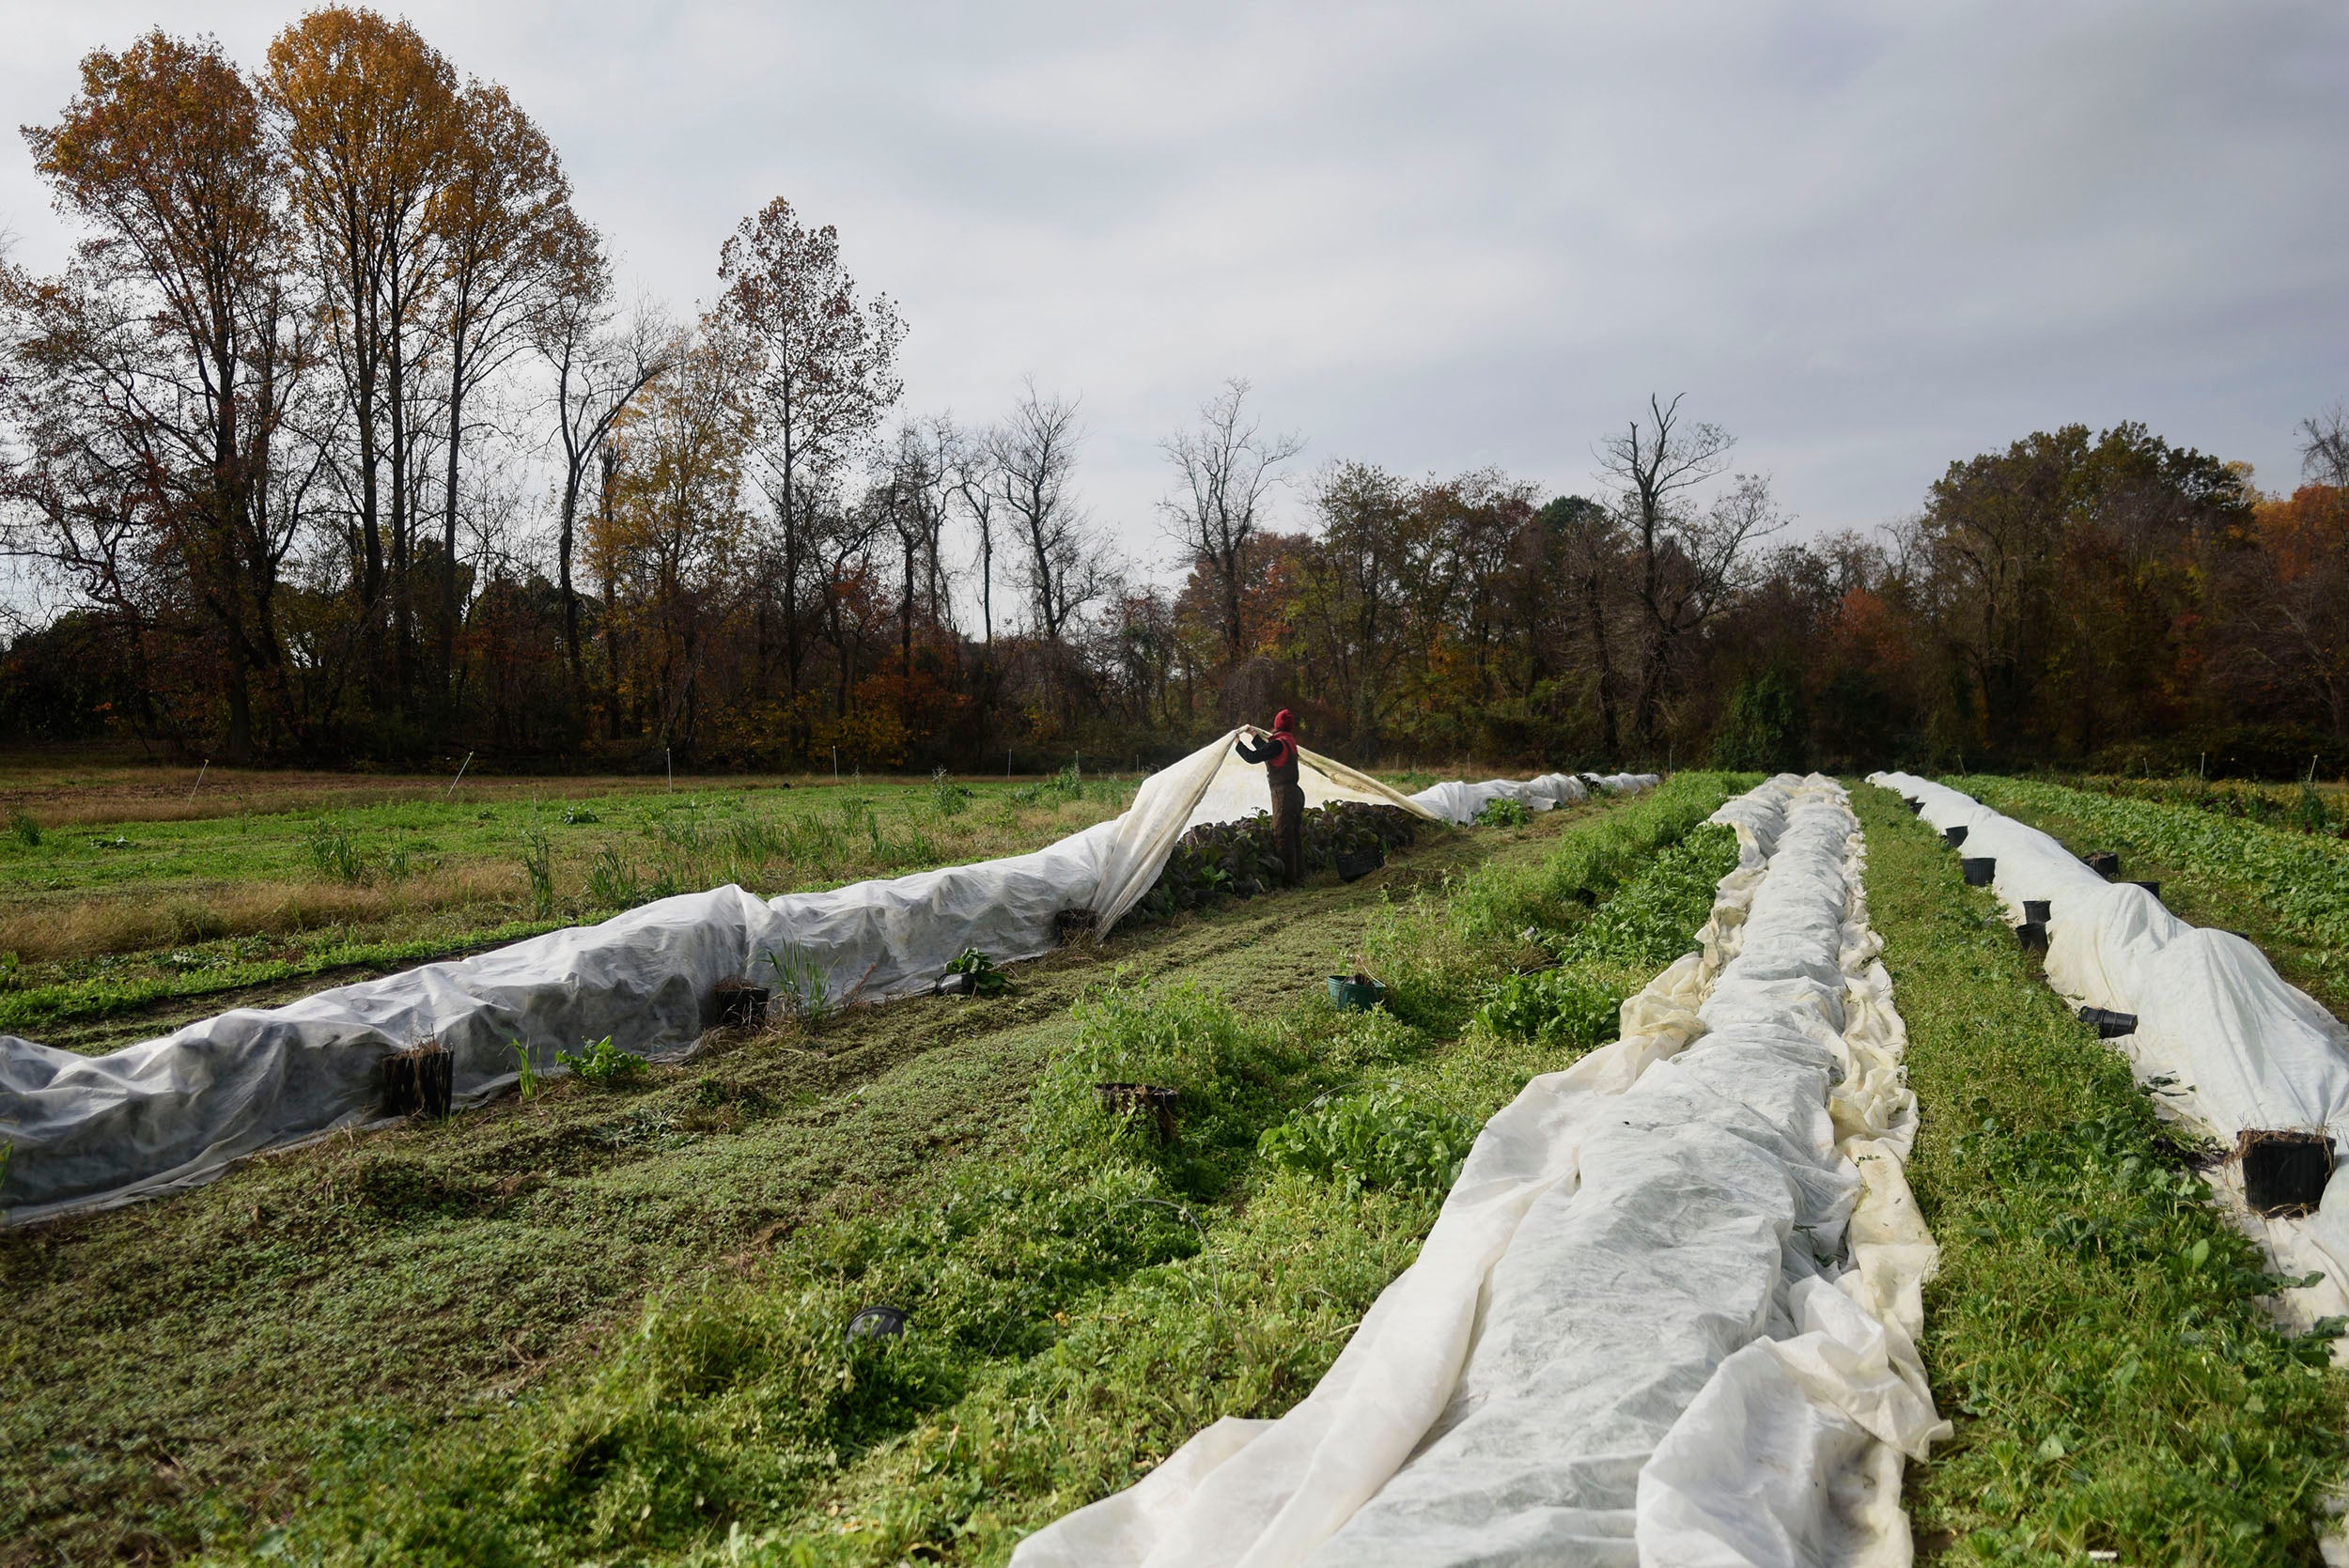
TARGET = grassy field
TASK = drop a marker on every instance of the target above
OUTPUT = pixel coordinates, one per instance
(605, 1324)
(121, 916)
(2094, 1331)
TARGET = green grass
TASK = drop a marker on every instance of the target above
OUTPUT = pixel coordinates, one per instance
(608, 1325)
(2094, 1329)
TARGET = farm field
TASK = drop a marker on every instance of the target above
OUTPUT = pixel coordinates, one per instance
(2285, 889)
(122, 919)
(2094, 1329)
(605, 1320)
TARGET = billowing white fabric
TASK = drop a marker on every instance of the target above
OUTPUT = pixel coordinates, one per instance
(2226, 1042)
(1693, 1236)
(92, 1132)
(1458, 803)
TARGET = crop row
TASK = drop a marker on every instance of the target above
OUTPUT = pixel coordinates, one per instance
(2301, 881)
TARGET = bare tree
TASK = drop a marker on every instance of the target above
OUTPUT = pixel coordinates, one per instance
(824, 376)
(1062, 567)
(600, 369)
(1225, 471)
(1676, 551)
(976, 482)
(2325, 447)
(505, 227)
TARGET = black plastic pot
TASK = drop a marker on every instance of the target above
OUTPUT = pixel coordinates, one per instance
(2032, 934)
(2104, 862)
(2109, 1025)
(2284, 1173)
(1146, 1099)
(1355, 864)
(1916, 808)
(2153, 888)
(418, 1079)
(1954, 837)
(878, 1322)
(2037, 911)
(741, 1004)
(1979, 870)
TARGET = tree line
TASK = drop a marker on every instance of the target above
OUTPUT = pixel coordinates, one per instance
(335, 440)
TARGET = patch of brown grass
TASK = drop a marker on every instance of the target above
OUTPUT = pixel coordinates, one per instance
(135, 923)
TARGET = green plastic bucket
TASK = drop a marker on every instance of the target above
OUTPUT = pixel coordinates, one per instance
(1355, 993)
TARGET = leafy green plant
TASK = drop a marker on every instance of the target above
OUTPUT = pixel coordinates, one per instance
(575, 814)
(334, 853)
(1503, 811)
(985, 979)
(1554, 1007)
(525, 1069)
(603, 1063)
(1385, 1137)
(23, 828)
(11, 972)
(538, 865)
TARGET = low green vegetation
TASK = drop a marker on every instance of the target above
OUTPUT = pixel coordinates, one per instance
(2095, 1329)
(1083, 1291)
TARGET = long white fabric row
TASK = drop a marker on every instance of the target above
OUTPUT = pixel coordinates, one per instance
(92, 1132)
(2227, 1043)
(1666, 1314)
(1458, 803)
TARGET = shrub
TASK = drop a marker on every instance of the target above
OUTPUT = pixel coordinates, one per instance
(23, 828)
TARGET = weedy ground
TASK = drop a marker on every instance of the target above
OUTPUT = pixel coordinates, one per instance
(2095, 1329)
(115, 930)
(609, 1323)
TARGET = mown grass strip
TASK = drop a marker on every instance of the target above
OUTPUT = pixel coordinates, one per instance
(2094, 1329)
(1078, 1308)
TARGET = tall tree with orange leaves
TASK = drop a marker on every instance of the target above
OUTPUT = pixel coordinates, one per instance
(371, 125)
(155, 374)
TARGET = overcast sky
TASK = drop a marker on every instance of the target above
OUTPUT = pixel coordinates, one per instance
(1867, 240)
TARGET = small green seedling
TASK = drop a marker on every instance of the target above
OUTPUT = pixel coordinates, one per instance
(526, 1071)
(603, 1063)
(985, 979)
(799, 984)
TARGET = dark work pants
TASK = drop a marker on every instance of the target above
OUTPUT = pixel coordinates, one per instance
(1288, 828)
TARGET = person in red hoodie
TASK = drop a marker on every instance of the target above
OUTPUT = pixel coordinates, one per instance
(1278, 752)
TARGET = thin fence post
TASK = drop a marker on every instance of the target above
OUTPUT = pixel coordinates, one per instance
(208, 768)
(459, 779)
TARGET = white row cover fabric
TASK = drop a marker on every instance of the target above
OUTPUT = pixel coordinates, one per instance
(1458, 803)
(93, 1132)
(2226, 1042)
(1668, 1311)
